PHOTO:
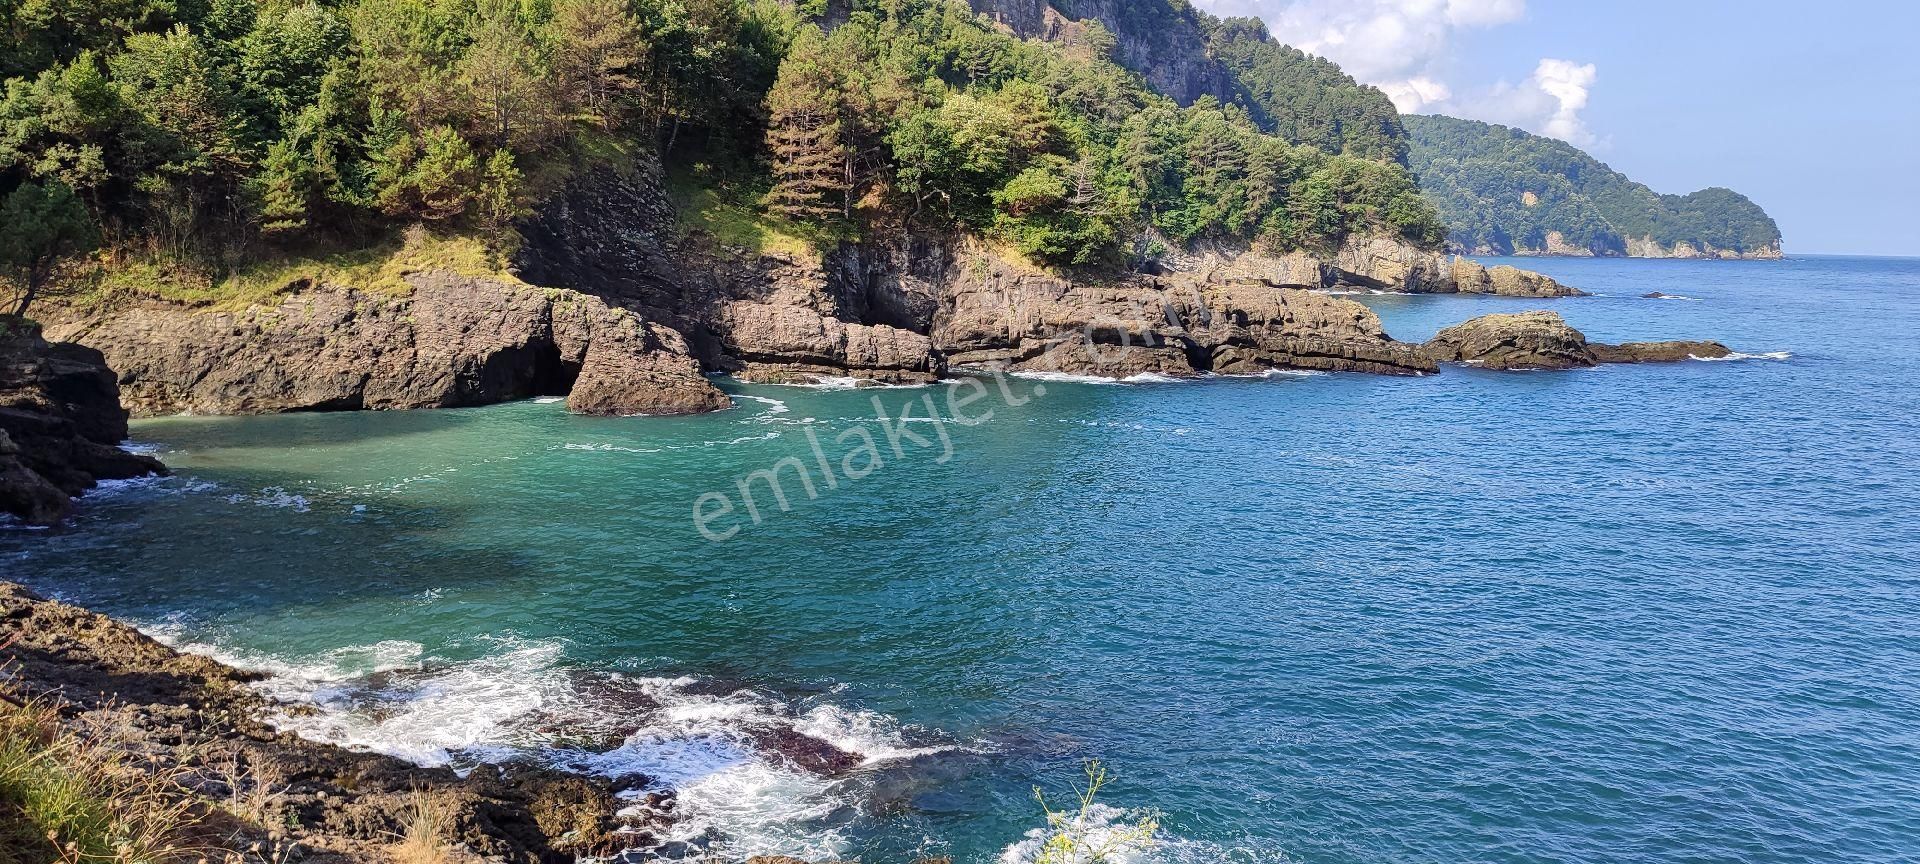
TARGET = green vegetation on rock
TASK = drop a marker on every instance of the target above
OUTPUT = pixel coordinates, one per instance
(216, 140)
(1503, 190)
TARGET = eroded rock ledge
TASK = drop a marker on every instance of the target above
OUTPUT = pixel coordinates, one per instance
(61, 424)
(1540, 339)
(453, 341)
(637, 308)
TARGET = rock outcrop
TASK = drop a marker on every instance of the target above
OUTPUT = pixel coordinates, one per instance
(196, 724)
(453, 341)
(622, 309)
(60, 425)
(1542, 340)
(1000, 313)
(1365, 264)
(1472, 277)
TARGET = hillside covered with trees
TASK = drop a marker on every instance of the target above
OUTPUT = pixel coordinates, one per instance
(1503, 190)
(206, 135)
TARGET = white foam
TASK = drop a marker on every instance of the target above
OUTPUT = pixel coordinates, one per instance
(1740, 355)
(1100, 835)
(1673, 297)
(273, 496)
(775, 406)
(548, 400)
(519, 700)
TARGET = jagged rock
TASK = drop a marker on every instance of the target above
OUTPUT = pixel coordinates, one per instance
(60, 425)
(1542, 340)
(454, 341)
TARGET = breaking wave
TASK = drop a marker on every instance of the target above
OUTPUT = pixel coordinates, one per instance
(1742, 355)
(749, 772)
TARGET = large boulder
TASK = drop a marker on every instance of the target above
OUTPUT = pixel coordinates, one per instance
(1522, 340)
(1472, 277)
(60, 425)
(1543, 340)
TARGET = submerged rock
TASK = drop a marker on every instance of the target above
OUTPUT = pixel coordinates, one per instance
(61, 424)
(1540, 339)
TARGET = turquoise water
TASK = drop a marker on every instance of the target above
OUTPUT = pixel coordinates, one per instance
(1659, 613)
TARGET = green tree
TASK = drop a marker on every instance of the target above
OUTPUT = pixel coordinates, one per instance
(41, 228)
(597, 57)
(807, 135)
(503, 77)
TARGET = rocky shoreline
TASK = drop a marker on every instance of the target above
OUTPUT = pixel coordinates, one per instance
(257, 794)
(197, 723)
(611, 302)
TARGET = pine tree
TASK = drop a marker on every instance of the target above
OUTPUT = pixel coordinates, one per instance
(503, 78)
(597, 56)
(41, 227)
(807, 135)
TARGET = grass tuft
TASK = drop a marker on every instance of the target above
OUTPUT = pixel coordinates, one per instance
(69, 797)
(424, 825)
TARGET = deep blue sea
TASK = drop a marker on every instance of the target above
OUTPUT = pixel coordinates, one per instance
(1662, 613)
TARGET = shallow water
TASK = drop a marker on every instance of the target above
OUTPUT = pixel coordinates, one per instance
(1648, 613)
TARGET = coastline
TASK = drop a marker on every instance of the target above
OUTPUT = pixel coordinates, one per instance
(196, 726)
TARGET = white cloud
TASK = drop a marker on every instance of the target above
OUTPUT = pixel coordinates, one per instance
(1404, 48)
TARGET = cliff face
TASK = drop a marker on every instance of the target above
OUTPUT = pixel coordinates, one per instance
(636, 310)
(1163, 42)
(454, 341)
(60, 425)
(1647, 247)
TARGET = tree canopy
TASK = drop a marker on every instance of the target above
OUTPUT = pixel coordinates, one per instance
(218, 130)
(1504, 190)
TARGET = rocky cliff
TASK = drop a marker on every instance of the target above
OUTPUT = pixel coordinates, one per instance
(60, 424)
(1166, 43)
(1647, 247)
(619, 307)
(453, 341)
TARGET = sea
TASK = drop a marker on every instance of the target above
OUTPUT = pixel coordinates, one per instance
(1654, 613)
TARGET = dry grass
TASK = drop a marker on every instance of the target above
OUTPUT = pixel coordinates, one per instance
(71, 797)
(425, 824)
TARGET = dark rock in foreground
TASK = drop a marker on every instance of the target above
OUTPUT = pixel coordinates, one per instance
(195, 721)
(60, 425)
(1543, 340)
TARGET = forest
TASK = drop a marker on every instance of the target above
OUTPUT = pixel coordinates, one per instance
(1503, 189)
(205, 134)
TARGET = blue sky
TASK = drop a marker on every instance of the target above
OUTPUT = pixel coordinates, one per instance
(1811, 109)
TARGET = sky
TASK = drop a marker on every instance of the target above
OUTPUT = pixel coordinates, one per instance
(1811, 109)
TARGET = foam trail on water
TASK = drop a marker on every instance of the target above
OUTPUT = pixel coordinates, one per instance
(1741, 355)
